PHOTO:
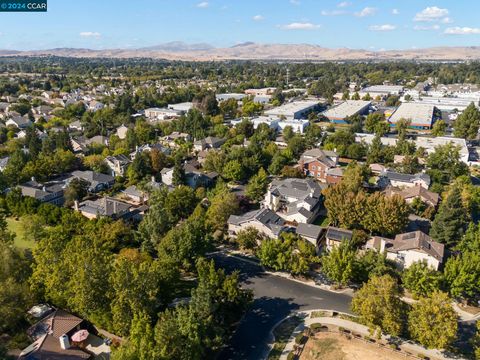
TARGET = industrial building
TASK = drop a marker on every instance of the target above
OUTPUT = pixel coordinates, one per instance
(346, 109)
(223, 97)
(420, 115)
(427, 143)
(382, 90)
(294, 110)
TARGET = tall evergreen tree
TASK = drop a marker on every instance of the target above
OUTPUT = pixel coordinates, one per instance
(468, 123)
(450, 223)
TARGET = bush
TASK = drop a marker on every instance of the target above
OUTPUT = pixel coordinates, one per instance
(299, 338)
(291, 356)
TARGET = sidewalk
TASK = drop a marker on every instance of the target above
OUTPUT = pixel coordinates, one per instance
(359, 329)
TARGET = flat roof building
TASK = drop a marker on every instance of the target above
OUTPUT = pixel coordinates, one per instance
(185, 106)
(427, 143)
(382, 90)
(339, 113)
(223, 97)
(294, 110)
(420, 115)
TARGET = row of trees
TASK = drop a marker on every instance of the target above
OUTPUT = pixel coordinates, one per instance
(431, 321)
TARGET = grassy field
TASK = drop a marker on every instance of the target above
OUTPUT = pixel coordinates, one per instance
(16, 227)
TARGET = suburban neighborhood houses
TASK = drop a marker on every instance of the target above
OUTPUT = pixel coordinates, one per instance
(152, 208)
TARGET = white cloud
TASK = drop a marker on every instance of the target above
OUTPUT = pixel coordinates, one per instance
(300, 26)
(203, 4)
(457, 30)
(295, 2)
(90, 34)
(431, 13)
(344, 4)
(332, 12)
(368, 11)
(395, 11)
(426, 28)
(446, 20)
(384, 27)
(258, 18)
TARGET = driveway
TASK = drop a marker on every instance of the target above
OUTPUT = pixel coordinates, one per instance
(275, 298)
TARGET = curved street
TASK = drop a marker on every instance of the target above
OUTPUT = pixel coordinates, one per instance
(275, 298)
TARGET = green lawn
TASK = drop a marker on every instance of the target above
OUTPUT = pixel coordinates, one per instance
(16, 227)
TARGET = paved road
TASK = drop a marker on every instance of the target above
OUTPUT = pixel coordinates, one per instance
(275, 298)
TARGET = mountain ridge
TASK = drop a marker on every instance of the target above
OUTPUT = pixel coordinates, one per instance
(177, 50)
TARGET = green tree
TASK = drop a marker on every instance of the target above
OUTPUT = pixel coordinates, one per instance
(467, 124)
(421, 280)
(445, 164)
(140, 285)
(233, 170)
(222, 206)
(178, 176)
(249, 238)
(450, 222)
(372, 121)
(439, 128)
(379, 306)
(433, 321)
(339, 263)
(77, 189)
(257, 185)
(462, 275)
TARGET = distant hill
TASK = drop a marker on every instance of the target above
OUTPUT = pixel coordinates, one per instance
(253, 51)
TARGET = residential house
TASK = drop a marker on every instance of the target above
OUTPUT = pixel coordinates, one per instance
(51, 192)
(148, 147)
(104, 206)
(317, 162)
(209, 142)
(134, 194)
(19, 122)
(295, 200)
(95, 105)
(52, 338)
(334, 175)
(409, 194)
(264, 220)
(122, 132)
(334, 237)
(194, 177)
(97, 181)
(310, 232)
(404, 180)
(409, 248)
(75, 126)
(118, 164)
(4, 162)
(172, 139)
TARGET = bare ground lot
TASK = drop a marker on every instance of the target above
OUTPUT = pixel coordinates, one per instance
(333, 346)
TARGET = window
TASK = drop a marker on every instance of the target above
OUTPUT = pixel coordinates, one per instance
(313, 167)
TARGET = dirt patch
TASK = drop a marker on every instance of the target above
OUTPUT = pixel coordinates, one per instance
(333, 346)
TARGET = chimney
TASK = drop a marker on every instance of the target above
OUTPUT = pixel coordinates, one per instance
(75, 205)
(114, 206)
(44, 188)
(153, 179)
(33, 178)
(64, 342)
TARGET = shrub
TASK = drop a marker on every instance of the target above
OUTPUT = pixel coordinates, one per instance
(291, 356)
(299, 338)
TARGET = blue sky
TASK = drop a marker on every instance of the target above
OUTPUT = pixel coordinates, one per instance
(376, 25)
